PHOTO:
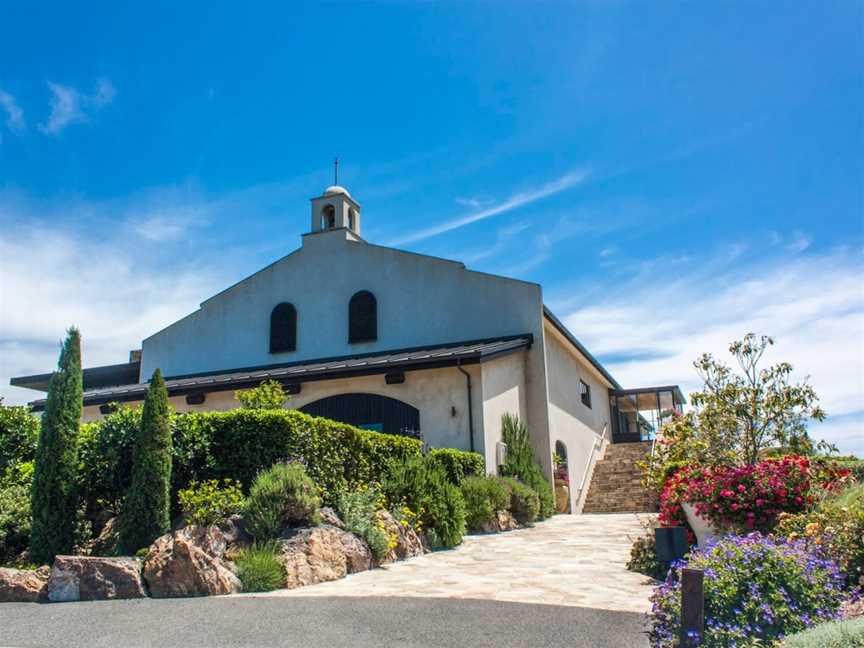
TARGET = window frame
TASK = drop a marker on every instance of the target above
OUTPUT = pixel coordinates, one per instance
(585, 393)
(362, 317)
(284, 317)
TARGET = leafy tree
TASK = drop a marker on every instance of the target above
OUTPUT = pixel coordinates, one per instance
(146, 511)
(738, 416)
(54, 499)
(268, 395)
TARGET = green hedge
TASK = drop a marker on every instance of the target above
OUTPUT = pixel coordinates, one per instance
(240, 443)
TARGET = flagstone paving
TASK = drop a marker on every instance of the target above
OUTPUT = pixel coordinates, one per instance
(572, 560)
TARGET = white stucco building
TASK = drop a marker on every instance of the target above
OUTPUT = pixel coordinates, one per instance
(393, 341)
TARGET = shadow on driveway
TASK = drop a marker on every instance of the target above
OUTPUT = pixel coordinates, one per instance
(317, 623)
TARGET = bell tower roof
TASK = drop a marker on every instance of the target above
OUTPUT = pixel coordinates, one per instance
(336, 189)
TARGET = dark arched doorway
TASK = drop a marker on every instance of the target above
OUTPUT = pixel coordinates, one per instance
(370, 412)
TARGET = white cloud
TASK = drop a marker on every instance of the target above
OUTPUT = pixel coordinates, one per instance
(799, 242)
(14, 114)
(567, 181)
(812, 305)
(69, 106)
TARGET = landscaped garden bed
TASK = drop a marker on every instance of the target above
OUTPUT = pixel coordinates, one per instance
(147, 502)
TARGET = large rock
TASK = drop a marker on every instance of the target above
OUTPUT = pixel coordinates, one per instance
(24, 585)
(190, 562)
(313, 555)
(88, 578)
(329, 516)
(502, 521)
(107, 541)
(358, 555)
(408, 543)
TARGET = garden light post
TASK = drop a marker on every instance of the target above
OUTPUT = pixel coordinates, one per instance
(692, 607)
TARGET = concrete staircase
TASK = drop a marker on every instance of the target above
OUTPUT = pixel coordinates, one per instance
(616, 483)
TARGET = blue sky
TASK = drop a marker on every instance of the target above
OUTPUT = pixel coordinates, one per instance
(674, 174)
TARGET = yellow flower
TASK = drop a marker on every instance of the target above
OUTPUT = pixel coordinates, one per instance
(812, 529)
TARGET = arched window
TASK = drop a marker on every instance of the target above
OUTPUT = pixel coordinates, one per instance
(283, 328)
(352, 219)
(362, 317)
(328, 217)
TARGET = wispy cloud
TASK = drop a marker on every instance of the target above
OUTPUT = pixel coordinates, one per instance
(565, 182)
(799, 243)
(812, 304)
(474, 203)
(14, 114)
(69, 106)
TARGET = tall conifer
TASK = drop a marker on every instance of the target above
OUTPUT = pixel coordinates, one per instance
(54, 501)
(147, 509)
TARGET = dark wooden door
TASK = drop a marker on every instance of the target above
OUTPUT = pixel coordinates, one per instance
(369, 411)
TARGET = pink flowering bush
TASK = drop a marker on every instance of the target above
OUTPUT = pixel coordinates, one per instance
(746, 498)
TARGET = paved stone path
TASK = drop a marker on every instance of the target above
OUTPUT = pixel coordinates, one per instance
(572, 560)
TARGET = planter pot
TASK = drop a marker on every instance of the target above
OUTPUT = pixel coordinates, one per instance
(562, 496)
(703, 528)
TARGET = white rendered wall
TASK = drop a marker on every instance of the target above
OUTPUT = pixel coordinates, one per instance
(570, 421)
(503, 393)
(435, 392)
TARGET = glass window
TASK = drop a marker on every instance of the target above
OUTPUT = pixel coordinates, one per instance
(585, 393)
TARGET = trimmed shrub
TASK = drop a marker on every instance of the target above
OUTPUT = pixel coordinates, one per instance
(522, 464)
(268, 395)
(484, 497)
(282, 496)
(756, 588)
(208, 502)
(524, 502)
(19, 434)
(147, 508)
(836, 527)
(833, 634)
(259, 568)
(421, 484)
(15, 511)
(358, 510)
(458, 464)
(105, 458)
(54, 502)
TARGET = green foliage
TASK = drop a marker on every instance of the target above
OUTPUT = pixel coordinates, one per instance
(833, 634)
(259, 568)
(852, 464)
(147, 509)
(643, 558)
(458, 464)
(208, 502)
(422, 485)
(54, 501)
(281, 496)
(19, 434)
(484, 497)
(835, 527)
(15, 511)
(521, 463)
(524, 501)
(105, 458)
(268, 395)
(358, 510)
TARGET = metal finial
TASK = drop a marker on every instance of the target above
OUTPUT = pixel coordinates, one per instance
(336, 171)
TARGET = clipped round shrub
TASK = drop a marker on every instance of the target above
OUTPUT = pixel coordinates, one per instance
(524, 502)
(756, 588)
(422, 485)
(208, 502)
(259, 568)
(833, 634)
(281, 496)
(484, 497)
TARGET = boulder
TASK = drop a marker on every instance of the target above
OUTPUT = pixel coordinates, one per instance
(329, 516)
(503, 521)
(358, 555)
(89, 578)
(313, 555)
(24, 585)
(105, 544)
(408, 543)
(234, 531)
(190, 562)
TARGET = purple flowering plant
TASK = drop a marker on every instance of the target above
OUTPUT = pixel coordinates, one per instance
(757, 590)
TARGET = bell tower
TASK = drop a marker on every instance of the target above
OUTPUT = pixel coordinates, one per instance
(335, 208)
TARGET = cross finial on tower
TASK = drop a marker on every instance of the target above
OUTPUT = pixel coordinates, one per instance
(336, 171)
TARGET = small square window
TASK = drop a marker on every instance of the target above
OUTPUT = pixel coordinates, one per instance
(585, 393)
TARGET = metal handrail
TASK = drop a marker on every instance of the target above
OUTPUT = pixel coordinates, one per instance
(588, 465)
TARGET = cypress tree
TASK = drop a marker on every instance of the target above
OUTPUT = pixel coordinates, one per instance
(53, 499)
(146, 511)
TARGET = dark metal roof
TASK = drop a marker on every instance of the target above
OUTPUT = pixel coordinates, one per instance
(94, 377)
(559, 325)
(428, 357)
(675, 389)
